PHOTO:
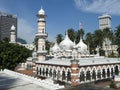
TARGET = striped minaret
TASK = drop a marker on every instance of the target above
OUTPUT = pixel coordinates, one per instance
(41, 35)
(74, 72)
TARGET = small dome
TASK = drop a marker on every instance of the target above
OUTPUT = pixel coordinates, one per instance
(66, 44)
(41, 12)
(12, 27)
(55, 48)
(82, 47)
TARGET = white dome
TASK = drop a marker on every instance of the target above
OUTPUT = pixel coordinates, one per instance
(66, 44)
(81, 46)
(41, 12)
(12, 27)
(55, 48)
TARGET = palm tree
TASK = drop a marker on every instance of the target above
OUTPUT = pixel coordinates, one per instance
(59, 38)
(79, 33)
(89, 41)
(71, 34)
(98, 38)
(108, 35)
(117, 35)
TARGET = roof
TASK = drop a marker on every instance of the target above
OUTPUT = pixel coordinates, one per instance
(82, 61)
(8, 82)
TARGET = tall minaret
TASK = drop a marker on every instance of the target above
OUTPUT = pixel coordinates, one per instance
(12, 34)
(41, 35)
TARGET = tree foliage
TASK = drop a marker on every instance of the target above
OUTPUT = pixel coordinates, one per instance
(12, 54)
(21, 41)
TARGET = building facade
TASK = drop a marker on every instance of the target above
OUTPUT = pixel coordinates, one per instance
(6, 21)
(104, 21)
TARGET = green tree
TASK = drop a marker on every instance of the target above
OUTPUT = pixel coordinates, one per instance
(107, 34)
(71, 34)
(47, 45)
(21, 40)
(79, 34)
(12, 54)
(98, 38)
(89, 41)
(117, 35)
(59, 38)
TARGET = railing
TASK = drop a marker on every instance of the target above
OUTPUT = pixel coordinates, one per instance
(47, 83)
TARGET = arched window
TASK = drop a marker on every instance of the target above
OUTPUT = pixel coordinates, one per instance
(68, 75)
(58, 75)
(40, 71)
(108, 72)
(93, 75)
(54, 74)
(37, 70)
(103, 73)
(46, 71)
(82, 76)
(63, 75)
(116, 70)
(99, 74)
(50, 73)
(88, 75)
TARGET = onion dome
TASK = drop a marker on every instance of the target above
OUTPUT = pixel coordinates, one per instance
(55, 48)
(66, 44)
(41, 12)
(13, 27)
(82, 47)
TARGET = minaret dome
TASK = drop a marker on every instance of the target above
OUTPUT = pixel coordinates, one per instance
(13, 27)
(41, 12)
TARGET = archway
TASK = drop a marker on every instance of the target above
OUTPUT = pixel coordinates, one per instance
(37, 71)
(116, 70)
(40, 71)
(58, 75)
(111, 71)
(94, 75)
(54, 74)
(43, 72)
(46, 71)
(68, 75)
(50, 72)
(63, 75)
(108, 73)
(88, 75)
(99, 74)
(103, 73)
(82, 76)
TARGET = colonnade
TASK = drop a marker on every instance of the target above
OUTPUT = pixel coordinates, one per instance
(86, 73)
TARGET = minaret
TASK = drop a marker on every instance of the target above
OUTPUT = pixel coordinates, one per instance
(41, 35)
(12, 34)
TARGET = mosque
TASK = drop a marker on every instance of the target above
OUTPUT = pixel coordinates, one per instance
(70, 62)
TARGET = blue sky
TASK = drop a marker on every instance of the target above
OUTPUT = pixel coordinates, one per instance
(61, 15)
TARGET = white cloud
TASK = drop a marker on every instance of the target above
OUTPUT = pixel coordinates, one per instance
(25, 30)
(99, 6)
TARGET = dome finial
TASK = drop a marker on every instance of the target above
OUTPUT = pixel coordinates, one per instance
(12, 27)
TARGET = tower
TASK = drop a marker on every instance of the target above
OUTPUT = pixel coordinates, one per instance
(104, 21)
(41, 35)
(12, 34)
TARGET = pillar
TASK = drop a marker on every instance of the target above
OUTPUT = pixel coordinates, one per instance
(74, 72)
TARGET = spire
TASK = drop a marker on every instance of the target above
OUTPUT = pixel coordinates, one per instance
(80, 25)
(66, 34)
